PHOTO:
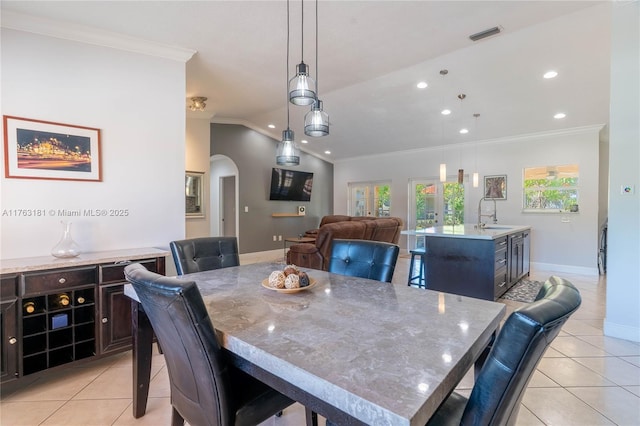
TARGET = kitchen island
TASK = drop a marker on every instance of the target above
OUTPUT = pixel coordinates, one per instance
(477, 262)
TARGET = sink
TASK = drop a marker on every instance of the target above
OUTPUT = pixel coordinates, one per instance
(497, 227)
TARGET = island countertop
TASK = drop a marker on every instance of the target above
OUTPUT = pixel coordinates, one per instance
(489, 232)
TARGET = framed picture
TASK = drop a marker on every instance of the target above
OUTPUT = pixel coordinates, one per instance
(495, 187)
(193, 187)
(36, 149)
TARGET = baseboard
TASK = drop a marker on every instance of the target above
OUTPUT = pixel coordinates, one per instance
(569, 269)
(260, 256)
(621, 331)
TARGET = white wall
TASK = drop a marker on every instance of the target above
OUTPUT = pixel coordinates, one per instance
(555, 243)
(138, 103)
(197, 160)
(623, 267)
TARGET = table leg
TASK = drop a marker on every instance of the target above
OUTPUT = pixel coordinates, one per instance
(311, 417)
(142, 339)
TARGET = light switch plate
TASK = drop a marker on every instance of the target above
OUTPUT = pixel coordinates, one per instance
(627, 190)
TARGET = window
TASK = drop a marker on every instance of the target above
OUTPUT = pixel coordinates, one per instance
(551, 188)
(370, 199)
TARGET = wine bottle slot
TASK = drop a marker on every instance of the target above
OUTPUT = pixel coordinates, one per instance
(63, 299)
(80, 300)
(29, 307)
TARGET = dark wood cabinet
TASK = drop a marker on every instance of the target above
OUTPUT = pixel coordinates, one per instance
(9, 329)
(52, 317)
(477, 267)
(115, 307)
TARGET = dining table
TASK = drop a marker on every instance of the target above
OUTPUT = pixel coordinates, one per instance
(354, 350)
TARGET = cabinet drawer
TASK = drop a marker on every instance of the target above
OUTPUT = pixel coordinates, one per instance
(46, 282)
(500, 284)
(115, 272)
(9, 287)
(501, 243)
(501, 259)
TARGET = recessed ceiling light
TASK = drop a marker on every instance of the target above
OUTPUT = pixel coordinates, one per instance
(327, 152)
(422, 85)
(445, 111)
(550, 74)
(271, 126)
(304, 141)
(559, 115)
(464, 131)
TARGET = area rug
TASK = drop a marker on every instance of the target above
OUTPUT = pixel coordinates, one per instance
(523, 291)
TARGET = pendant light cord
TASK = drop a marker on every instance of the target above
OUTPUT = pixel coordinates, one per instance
(302, 31)
(317, 50)
(286, 86)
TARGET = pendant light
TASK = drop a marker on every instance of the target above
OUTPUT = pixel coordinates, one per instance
(316, 121)
(287, 151)
(301, 85)
(476, 176)
(443, 165)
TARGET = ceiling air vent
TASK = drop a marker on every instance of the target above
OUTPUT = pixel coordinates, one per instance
(485, 34)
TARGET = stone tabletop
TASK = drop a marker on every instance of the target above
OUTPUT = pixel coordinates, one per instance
(489, 232)
(383, 353)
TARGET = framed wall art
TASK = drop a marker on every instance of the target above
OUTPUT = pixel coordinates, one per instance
(36, 149)
(193, 187)
(495, 187)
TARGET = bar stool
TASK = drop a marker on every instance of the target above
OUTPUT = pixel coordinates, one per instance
(421, 278)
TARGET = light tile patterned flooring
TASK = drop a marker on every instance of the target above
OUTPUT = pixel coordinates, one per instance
(585, 378)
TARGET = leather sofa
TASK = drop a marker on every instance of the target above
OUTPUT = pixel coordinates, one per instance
(316, 255)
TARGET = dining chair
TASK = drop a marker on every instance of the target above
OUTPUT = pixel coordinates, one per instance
(363, 258)
(205, 253)
(205, 388)
(502, 381)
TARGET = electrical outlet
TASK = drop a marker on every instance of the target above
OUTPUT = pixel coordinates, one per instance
(279, 237)
(274, 238)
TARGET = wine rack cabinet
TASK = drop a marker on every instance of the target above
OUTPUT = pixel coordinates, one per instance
(58, 328)
(57, 313)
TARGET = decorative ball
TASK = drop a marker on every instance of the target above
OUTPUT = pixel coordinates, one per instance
(276, 279)
(304, 279)
(292, 281)
(290, 269)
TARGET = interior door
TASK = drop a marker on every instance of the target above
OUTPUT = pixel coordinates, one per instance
(228, 210)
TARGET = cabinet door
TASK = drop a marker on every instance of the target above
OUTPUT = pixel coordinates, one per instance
(115, 318)
(9, 341)
(526, 253)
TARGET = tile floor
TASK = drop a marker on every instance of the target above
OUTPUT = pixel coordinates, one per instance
(585, 378)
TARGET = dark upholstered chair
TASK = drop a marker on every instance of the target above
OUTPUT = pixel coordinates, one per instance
(205, 388)
(204, 254)
(363, 258)
(525, 335)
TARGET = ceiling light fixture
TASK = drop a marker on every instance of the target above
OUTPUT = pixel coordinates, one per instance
(484, 34)
(271, 126)
(422, 85)
(316, 121)
(287, 151)
(560, 115)
(550, 74)
(301, 85)
(445, 111)
(464, 131)
(198, 103)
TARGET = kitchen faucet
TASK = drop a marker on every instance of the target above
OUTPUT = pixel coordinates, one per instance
(494, 215)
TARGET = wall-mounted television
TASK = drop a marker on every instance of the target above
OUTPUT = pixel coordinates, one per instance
(290, 185)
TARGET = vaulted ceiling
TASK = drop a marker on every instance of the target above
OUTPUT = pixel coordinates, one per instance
(371, 56)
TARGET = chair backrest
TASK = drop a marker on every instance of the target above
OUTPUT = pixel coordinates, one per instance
(197, 370)
(525, 335)
(363, 258)
(204, 254)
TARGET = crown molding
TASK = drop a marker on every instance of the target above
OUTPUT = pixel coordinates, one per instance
(527, 137)
(89, 35)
